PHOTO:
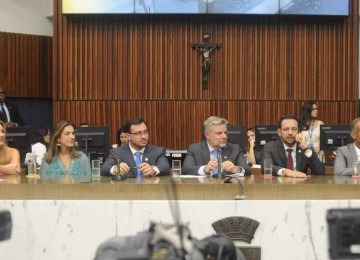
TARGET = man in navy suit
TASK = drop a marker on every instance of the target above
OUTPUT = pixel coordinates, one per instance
(214, 154)
(137, 157)
(290, 154)
(9, 113)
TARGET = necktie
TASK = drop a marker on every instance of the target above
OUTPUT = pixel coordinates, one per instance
(137, 163)
(289, 160)
(216, 155)
(4, 112)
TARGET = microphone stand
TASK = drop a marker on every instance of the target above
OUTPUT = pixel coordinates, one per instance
(118, 176)
(240, 196)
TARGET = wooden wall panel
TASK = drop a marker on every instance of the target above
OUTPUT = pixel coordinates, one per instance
(26, 65)
(109, 68)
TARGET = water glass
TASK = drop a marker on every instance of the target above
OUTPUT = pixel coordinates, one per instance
(355, 170)
(31, 165)
(95, 169)
(268, 168)
(176, 169)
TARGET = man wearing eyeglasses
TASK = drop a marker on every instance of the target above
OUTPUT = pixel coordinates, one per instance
(9, 113)
(215, 155)
(136, 158)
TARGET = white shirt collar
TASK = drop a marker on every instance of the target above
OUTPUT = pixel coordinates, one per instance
(133, 150)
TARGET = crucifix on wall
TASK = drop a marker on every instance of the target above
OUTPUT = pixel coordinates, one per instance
(205, 48)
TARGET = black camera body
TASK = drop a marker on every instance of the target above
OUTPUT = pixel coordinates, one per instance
(344, 233)
(5, 225)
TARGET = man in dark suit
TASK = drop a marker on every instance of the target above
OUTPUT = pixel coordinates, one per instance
(290, 154)
(137, 158)
(346, 155)
(9, 113)
(215, 154)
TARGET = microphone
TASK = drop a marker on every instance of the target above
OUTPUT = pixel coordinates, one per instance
(118, 176)
(220, 175)
(240, 196)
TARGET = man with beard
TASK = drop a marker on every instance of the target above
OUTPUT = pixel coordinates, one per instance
(136, 158)
(215, 154)
(290, 154)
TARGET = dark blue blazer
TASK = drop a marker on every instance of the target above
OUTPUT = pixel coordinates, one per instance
(155, 156)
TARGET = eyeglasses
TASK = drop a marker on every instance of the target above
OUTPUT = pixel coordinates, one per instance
(314, 109)
(146, 133)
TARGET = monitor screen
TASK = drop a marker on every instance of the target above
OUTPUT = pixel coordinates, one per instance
(94, 139)
(265, 134)
(175, 155)
(19, 138)
(315, 7)
(237, 135)
(334, 136)
(265, 7)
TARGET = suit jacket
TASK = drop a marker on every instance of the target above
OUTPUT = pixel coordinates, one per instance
(14, 114)
(345, 155)
(199, 155)
(154, 156)
(275, 150)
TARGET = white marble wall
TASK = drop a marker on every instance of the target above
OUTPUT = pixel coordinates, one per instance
(74, 229)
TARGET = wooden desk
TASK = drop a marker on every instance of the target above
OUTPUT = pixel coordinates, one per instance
(255, 186)
(329, 170)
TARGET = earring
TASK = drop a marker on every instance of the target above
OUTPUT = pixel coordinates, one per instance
(58, 144)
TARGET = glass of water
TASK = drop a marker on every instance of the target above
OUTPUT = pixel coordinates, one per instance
(176, 169)
(31, 166)
(268, 168)
(95, 169)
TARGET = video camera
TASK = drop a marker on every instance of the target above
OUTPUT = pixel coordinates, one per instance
(5, 225)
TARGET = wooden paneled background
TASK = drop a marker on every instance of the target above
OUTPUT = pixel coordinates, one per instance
(26, 65)
(110, 68)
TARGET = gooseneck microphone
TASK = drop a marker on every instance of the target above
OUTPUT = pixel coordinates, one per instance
(118, 176)
(240, 196)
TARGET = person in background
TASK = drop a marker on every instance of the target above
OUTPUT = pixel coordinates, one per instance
(122, 138)
(253, 156)
(9, 157)
(350, 153)
(137, 158)
(62, 158)
(310, 127)
(203, 158)
(84, 124)
(290, 154)
(9, 113)
(39, 143)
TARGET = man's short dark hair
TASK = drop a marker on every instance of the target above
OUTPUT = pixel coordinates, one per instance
(132, 121)
(287, 117)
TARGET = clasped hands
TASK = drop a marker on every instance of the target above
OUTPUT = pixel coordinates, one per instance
(226, 165)
(145, 168)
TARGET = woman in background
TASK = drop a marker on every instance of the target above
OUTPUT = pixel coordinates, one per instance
(122, 138)
(9, 157)
(40, 140)
(62, 158)
(310, 127)
(253, 156)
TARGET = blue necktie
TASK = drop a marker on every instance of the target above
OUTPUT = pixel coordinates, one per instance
(137, 163)
(216, 155)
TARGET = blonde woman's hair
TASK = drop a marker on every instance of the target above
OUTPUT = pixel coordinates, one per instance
(4, 157)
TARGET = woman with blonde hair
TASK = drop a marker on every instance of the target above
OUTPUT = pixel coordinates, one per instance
(62, 158)
(9, 157)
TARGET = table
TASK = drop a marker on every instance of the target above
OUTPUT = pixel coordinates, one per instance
(315, 187)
